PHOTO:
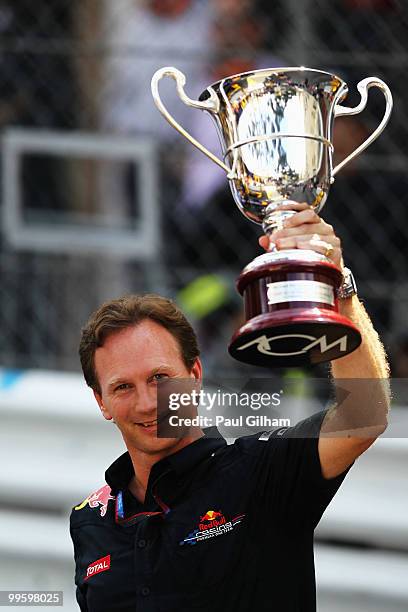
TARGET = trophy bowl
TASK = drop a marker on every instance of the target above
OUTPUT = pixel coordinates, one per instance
(275, 127)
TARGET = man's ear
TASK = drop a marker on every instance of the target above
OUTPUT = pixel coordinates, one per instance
(101, 405)
(197, 370)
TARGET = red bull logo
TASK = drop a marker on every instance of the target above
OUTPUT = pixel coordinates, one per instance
(100, 499)
(210, 519)
(211, 525)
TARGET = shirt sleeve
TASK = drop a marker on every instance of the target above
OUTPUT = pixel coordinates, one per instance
(288, 473)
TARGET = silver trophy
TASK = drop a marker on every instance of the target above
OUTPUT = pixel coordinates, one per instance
(275, 128)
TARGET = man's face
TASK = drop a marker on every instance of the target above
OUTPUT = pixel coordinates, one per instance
(129, 366)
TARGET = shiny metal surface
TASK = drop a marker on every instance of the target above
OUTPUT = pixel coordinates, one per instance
(275, 128)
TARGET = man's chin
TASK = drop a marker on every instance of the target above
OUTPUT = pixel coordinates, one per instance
(151, 444)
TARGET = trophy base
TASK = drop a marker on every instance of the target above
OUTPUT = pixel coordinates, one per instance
(299, 337)
(291, 308)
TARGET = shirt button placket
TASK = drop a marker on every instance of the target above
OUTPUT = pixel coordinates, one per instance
(143, 570)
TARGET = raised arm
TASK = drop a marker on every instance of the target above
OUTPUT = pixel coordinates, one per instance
(359, 419)
(360, 378)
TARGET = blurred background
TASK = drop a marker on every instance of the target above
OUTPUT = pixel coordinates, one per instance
(99, 196)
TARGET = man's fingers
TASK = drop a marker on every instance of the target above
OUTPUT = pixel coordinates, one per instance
(290, 242)
(305, 228)
(330, 246)
(306, 215)
(325, 247)
(288, 237)
(264, 242)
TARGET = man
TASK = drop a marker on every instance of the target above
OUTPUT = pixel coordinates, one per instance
(137, 540)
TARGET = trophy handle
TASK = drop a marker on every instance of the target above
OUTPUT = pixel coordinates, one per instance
(363, 88)
(211, 105)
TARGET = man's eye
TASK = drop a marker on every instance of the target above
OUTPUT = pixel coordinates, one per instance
(122, 386)
(159, 376)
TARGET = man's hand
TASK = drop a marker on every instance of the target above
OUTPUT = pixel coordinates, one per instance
(305, 230)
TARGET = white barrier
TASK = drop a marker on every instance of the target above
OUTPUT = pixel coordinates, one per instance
(54, 442)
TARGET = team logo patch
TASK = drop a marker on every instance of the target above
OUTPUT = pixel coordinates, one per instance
(100, 498)
(212, 524)
(98, 566)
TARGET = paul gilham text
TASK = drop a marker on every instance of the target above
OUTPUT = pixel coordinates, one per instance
(250, 420)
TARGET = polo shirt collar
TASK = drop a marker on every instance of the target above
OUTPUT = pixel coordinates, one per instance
(189, 456)
(119, 474)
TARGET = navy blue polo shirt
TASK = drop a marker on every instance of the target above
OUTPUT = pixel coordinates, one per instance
(223, 528)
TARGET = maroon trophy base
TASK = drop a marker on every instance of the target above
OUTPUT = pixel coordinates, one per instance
(291, 310)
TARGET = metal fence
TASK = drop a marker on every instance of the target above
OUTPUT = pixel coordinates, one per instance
(70, 215)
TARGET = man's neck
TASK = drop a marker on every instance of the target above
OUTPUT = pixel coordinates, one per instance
(143, 463)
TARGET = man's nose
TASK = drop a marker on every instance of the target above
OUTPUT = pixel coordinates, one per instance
(146, 401)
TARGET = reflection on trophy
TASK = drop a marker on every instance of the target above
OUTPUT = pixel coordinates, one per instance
(275, 128)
